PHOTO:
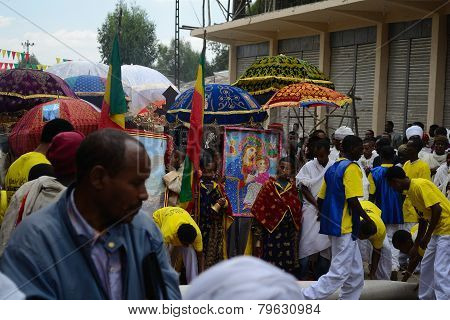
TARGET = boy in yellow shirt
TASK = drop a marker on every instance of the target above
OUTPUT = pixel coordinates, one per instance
(404, 242)
(181, 236)
(375, 233)
(434, 208)
(340, 212)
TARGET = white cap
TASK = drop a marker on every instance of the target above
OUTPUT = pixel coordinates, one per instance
(414, 131)
(342, 132)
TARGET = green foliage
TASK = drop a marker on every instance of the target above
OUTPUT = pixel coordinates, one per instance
(31, 61)
(188, 61)
(138, 43)
(220, 60)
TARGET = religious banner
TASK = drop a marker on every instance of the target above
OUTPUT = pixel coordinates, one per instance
(156, 145)
(250, 157)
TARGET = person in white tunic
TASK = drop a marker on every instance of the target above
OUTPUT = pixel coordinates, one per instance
(438, 156)
(442, 177)
(309, 180)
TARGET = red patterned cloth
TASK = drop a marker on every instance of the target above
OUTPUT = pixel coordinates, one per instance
(271, 206)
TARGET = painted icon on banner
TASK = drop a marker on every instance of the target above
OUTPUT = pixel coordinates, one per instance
(50, 112)
(250, 158)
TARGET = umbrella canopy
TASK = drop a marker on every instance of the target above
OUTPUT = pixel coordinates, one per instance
(144, 86)
(87, 85)
(269, 74)
(24, 88)
(306, 95)
(25, 136)
(225, 105)
(79, 68)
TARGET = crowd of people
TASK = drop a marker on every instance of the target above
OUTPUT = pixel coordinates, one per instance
(338, 211)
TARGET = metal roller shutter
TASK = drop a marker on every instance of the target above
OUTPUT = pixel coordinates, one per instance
(297, 54)
(312, 57)
(365, 79)
(397, 82)
(342, 74)
(419, 75)
(243, 64)
(447, 85)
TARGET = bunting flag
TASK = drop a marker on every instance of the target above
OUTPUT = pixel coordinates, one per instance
(11, 65)
(9, 53)
(45, 67)
(27, 57)
(114, 105)
(192, 159)
(3, 53)
(1, 65)
(16, 66)
(13, 55)
(58, 60)
(22, 55)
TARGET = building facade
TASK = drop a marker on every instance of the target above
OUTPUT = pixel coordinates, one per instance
(396, 54)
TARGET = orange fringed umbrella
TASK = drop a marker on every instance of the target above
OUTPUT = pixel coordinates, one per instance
(26, 134)
(307, 95)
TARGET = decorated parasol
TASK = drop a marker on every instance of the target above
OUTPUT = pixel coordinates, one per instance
(144, 86)
(24, 88)
(79, 68)
(269, 74)
(89, 88)
(26, 135)
(225, 105)
(307, 95)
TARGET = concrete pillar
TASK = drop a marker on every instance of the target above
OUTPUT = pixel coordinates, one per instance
(273, 47)
(381, 78)
(436, 89)
(232, 63)
(325, 66)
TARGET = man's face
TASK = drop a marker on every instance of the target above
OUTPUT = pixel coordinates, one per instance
(405, 247)
(122, 195)
(177, 159)
(411, 150)
(440, 147)
(209, 171)
(388, 127)
(284, 170)
(322, 156)
(369, 134)
(367, 149)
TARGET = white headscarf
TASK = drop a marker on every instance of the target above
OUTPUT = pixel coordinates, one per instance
(244, 278)
(342, 132)
(414, 131)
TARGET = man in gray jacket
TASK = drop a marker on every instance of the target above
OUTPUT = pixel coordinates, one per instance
(94, 242)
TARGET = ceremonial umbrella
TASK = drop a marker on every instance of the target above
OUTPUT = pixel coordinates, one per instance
(89, 88)
(144, 86)
(269, 74)
(225, 105)
(25, 136)
(24, 88)
(307, 95)
(79, 68)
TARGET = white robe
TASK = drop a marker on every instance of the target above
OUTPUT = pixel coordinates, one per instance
(367, 163)
(442, 178)
(432, 159)
(311, 242)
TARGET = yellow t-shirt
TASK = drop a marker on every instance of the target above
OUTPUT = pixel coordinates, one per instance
(17, 174)
(374, 214)
(169, 219)
(417, 169)
(372, 186)
(424, 194)
(413, 232)
(352, 181)
(413, 170)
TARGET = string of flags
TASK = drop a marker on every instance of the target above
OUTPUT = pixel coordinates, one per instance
(22, 56)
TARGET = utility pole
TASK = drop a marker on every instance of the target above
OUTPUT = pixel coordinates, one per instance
(177, 44)
(26, 45)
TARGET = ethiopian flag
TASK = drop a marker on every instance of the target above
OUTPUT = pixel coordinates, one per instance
(114, 104)
(192, 160)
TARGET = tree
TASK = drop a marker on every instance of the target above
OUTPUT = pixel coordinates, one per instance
(220, 60)
(188, 61)
(23, 64)
(137, 36)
